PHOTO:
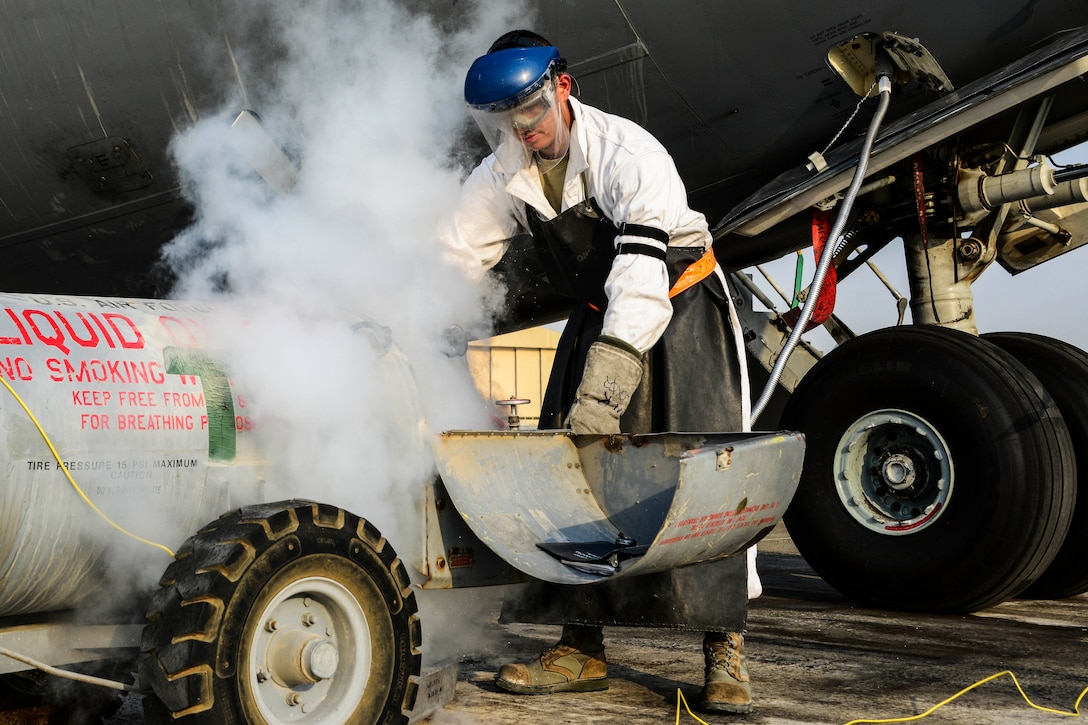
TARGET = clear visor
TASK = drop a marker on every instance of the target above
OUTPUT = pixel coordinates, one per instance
(535, 123)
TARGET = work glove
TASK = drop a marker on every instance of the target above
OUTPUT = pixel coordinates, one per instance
(613, 370)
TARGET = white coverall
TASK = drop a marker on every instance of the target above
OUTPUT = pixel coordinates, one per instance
(633, 180)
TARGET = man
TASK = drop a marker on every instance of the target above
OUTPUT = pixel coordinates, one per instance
(652, 346)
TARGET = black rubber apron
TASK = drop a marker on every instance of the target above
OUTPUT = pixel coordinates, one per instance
(577, 247)
(691, 382)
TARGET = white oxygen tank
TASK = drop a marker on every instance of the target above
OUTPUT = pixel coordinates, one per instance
(139, 415)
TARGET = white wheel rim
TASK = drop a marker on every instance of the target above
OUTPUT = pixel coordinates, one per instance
(309, 654)
(893, 472)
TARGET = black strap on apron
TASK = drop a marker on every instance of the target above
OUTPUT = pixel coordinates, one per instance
(578, 246)
(641, 230)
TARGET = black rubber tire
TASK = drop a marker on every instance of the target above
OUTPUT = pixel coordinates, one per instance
(1063, 370)
(999, 524)
(208, 620)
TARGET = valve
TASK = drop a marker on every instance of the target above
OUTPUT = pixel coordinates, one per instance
(512, 419)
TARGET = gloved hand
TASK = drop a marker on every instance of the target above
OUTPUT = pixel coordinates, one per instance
(613, 370)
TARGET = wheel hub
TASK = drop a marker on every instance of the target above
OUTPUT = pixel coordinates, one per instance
(893, 472)
(297, 658)
(898, 472)
(309, 652)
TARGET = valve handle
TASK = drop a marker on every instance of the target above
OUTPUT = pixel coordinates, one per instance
(512, 419)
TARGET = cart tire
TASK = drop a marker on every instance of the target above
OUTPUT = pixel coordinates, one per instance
(279, 613)
(939, 475)
(1063, 371)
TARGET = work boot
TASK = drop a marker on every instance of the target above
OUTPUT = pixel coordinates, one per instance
(727, 688)
(574, 664)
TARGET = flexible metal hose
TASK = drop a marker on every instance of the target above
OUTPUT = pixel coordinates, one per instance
(885, 88)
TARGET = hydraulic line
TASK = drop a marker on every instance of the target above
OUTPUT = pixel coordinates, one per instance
(884, 85)
(1071, 173)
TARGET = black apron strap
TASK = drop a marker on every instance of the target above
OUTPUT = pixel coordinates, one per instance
(636, 248)
(577, 247)
(641, 230)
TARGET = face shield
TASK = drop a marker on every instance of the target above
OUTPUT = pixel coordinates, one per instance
(535, 125)
(512, 96)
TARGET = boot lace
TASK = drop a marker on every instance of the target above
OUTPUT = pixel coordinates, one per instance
(556, 651)
(722, 654)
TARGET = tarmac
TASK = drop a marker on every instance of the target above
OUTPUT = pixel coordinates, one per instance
(814, 657)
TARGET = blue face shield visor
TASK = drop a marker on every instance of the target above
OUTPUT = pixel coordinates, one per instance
(505, 78)
(512, 92)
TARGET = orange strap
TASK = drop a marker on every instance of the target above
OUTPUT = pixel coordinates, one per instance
(696, 272)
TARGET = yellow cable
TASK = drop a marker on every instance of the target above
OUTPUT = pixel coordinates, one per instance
(680, 698)
(1074, 713)
(68, 475)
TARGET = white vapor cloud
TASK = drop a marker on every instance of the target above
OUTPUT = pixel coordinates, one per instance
(366, 98)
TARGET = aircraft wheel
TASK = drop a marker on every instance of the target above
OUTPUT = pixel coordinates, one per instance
(285, 612)
(1063, 371)
(938, 473)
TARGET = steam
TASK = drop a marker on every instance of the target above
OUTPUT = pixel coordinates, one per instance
(367, 102)
(342, 300)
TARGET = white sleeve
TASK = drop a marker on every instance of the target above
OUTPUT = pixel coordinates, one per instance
(478, 234)
(639, 308)
(646, 190)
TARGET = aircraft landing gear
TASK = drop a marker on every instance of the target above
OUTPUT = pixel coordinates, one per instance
(939, 475)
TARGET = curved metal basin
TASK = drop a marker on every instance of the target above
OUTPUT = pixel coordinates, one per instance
(683, 498)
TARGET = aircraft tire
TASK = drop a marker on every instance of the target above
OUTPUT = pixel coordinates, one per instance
(938, 472)
(281, 612)
(1063, 370)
